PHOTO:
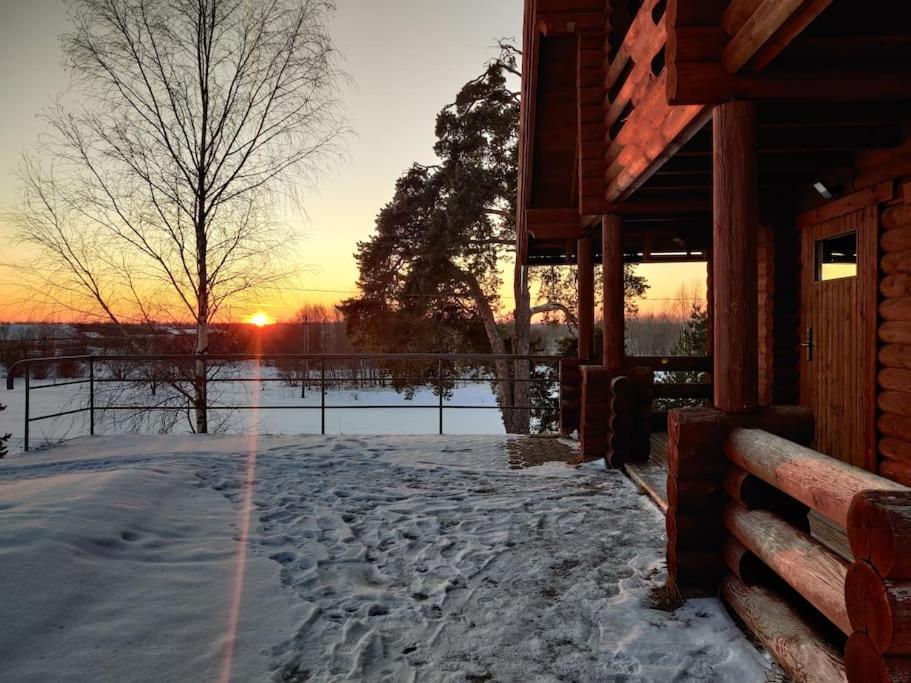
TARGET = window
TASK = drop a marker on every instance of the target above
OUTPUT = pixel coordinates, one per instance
(836, 257)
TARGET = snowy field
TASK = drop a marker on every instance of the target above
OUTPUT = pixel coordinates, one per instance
(281, 410)
(338, 558)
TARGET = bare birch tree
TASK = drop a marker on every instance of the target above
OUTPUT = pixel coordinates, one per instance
(151, 199)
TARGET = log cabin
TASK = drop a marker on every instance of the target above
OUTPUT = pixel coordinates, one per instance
(770, 139)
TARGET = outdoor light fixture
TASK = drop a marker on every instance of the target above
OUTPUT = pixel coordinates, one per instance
(822, 189)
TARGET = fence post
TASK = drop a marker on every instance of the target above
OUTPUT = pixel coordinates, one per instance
(322, 398)
(440, 387)
(28, 381)
(91, 395)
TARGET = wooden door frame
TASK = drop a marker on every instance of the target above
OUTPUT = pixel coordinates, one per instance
(868, 201)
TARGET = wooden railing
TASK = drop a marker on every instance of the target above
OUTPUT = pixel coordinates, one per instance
(640, 124)
(744, 485)
(571, 390)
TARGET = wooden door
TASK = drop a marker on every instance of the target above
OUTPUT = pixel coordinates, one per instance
(838, 313)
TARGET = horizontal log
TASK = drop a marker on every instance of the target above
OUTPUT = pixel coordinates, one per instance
(804, 563)
(898, 239)
(879, 607)
(797, 647)
(896, 286)
(745, 565)
(893, 379)
(704, 426)
(898, 262)
(754, 494)
(708, 83)
(896, 216)
(825, 484)
(896, 471)
(879, 531)
(896, 426)
(895, 449)
(895, 332)
(697, 428)
(896, 356)
(737, 14)
(864, 663)
(757, 32)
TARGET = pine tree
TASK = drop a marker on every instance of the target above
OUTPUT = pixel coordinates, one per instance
(3, 439)
(691, 342)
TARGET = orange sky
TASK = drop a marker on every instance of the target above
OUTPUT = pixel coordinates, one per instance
(407, 59)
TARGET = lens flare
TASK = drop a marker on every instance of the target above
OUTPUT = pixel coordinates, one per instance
(259, 319)
(245, 513)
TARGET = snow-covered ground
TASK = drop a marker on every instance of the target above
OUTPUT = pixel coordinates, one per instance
(281, 410)
(338, 558)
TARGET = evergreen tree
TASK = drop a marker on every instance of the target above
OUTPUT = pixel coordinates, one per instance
(691, 342)
(431, 273)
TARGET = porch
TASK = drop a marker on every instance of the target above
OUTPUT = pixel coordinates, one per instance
(754, 137)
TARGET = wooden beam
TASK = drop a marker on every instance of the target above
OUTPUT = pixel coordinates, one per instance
(736, 225)
(586, 297)
(710, 83)
(652, 134)
(787, 33)
(772, 23)
(614, 301)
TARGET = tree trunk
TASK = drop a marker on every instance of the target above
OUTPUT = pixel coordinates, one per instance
(522, 347)
(504, 384)
(200, 378)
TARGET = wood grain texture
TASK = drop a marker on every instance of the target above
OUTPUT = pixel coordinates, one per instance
(736, 223)
(864, 664)
(838, 382)
(879, 607)
(879, 531)
(805, 564)
(800, 650)
(825, 484)
(613, 295)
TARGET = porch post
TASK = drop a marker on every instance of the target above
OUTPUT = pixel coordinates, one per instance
(736, 225)
(586, 299)
(612, 259)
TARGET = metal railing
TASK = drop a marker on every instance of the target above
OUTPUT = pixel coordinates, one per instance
(442, 379)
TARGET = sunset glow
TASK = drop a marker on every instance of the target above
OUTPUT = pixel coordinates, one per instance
(259, 319)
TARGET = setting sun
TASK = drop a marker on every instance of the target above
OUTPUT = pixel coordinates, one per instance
(259, 319)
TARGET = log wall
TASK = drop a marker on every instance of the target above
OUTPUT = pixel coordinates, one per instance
(778, 285)
(894, 376)
(616, 414)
